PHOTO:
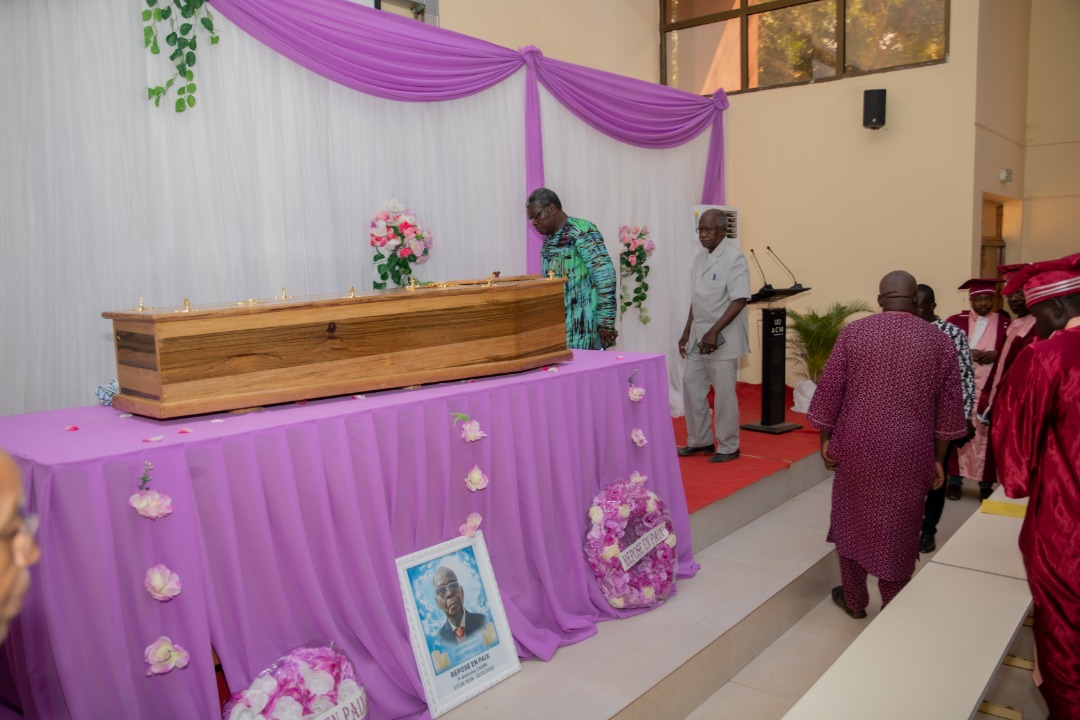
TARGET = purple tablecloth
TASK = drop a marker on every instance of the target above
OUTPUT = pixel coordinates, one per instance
(287, 522)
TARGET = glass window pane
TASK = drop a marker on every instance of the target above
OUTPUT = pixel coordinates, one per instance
(888, 33)
(704, 58)
(795, 44)
(676, 10)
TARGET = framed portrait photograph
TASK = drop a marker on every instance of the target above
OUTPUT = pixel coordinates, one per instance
(458, 628)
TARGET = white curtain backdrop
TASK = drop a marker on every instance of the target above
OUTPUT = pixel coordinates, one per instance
(269, 182)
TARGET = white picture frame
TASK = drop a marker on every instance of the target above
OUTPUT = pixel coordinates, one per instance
(454, 669)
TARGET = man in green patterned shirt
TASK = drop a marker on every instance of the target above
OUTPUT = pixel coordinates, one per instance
(574, 249)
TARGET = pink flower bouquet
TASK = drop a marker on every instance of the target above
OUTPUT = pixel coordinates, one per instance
(633, 263)
(400, 241)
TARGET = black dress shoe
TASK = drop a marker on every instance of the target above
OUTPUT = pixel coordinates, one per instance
(690, 450)
(985, 493)
(927, 544)
(953, 492)
(838, 598)
(724, 457)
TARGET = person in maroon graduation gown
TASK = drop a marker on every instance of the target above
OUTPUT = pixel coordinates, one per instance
(1019, 334)
(888, 404)
(986, 335)
(1036, 433)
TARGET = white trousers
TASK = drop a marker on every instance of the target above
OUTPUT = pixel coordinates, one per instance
(701, 372)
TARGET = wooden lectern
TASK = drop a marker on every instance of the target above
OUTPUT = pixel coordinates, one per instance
(773, 360)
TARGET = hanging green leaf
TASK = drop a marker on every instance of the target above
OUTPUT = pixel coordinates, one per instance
(183, 38)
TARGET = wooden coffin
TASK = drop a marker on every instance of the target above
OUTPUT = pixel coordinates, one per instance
(173, 362)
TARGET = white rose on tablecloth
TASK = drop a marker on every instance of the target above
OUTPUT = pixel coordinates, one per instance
(162, 583)
(151, 504)
(476, 479)
(395, 206)
(162, 656)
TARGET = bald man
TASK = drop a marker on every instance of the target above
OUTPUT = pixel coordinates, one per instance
(888, 404)
(18, 551)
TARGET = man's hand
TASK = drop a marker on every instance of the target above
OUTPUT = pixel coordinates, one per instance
(682, 344)
(830, 464)
(970, 430)
(709, 342)
(983, 357)
(939, 475)
(608, 337)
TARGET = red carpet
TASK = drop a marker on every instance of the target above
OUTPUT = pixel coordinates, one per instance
(760, 454)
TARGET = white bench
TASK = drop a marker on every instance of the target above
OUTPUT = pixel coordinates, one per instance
(934, 650)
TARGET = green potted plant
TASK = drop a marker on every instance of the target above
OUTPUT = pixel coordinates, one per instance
(811, 336)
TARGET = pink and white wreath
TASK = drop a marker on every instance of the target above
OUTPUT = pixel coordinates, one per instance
(622, 517)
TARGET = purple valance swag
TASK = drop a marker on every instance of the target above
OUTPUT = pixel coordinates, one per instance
(395, 58)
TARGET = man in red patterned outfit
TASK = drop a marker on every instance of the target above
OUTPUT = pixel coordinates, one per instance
(1036, 432)
(888, 404)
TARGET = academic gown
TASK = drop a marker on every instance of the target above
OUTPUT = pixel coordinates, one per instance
(1036, 433)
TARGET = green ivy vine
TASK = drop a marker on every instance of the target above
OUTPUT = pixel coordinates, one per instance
(185, 19)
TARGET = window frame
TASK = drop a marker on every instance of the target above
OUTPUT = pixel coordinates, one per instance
(745, 10)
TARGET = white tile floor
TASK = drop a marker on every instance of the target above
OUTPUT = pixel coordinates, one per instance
(768, 687)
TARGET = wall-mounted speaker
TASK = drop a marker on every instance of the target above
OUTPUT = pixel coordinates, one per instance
(873, 112)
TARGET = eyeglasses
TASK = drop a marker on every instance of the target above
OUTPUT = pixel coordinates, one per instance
(536, 217)
(707, 230)
(450, 588)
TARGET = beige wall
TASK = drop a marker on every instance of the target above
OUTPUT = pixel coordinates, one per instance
(844, 205)
(1051, 220)
(621, 36)
(1001, 115)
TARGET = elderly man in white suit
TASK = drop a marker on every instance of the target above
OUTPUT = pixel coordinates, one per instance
(716, 336)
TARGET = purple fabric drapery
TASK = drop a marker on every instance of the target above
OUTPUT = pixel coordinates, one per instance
(399, 59)
(286, 523)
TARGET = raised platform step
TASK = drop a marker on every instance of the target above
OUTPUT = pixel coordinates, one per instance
(764, 564)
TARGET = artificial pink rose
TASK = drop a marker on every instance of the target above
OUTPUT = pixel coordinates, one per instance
(638, 436)
(472, 524)
(636, 394)
(635, 231)
(408, 231)
(471, 432)
(151, 504)
(405, 252)
(476, 479)
(632, 259)
(382, 216)
(649, 247)
(162, 656)
(162, 583)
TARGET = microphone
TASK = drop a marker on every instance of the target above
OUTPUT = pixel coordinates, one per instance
(766, 289)
(796, 285)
